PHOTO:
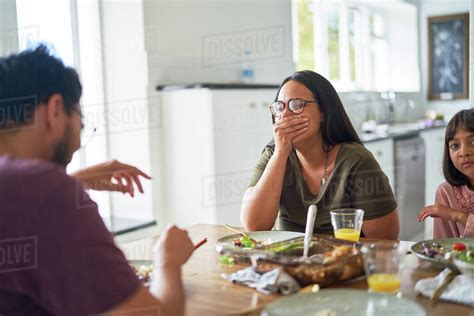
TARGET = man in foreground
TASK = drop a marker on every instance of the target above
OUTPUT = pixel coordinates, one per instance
(56, 255)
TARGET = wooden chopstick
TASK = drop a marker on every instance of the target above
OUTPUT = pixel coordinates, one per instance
(234, 230)
(442, 286)
(200, 243)
(242, 233)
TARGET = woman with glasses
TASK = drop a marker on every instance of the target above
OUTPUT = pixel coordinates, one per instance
(316, 157)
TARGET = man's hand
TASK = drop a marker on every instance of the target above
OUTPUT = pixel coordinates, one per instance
(112, 176)
(173, 248)
(170, 252)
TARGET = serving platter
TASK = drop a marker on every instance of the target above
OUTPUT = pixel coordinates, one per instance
(446, 243)
(329, 260)
(343, 302)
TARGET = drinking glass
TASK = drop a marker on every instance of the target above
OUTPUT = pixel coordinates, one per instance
(347, 223)
(381, 264)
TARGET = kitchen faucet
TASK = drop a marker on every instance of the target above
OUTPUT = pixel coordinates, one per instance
(410, 105)
(389, 98)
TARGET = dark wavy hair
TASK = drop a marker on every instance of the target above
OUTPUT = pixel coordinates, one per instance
(336, 126)
(30, 78)
(465, 120)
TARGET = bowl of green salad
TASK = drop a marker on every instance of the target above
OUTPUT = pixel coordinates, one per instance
(464, 261)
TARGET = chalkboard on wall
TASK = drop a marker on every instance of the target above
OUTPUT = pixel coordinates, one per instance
(448, 57)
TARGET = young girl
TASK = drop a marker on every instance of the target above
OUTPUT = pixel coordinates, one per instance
(453, 211)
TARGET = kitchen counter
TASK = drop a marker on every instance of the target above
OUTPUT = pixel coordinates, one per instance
(409, 132)
(216, 86)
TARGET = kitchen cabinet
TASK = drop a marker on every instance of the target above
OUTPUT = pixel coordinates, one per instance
(383, 152)
(434, 146)
(212, 139)
(406, 176)
(410, 185)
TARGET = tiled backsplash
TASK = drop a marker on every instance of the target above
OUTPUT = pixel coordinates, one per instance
(361, 106)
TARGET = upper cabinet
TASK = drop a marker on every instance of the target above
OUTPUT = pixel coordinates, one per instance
(358, 45)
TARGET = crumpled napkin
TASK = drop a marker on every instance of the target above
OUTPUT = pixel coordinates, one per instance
(460, 290)
(276, 280)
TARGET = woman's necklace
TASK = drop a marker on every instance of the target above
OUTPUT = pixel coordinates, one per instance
(324, 179)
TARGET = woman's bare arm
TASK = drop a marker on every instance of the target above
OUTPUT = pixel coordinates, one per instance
(261, 203)
(385, 227)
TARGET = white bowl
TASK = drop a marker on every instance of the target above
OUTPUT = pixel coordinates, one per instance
(465, 267)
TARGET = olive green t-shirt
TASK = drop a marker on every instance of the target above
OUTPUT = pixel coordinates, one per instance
(356, 182)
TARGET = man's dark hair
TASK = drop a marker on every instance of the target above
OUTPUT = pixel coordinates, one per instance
(463, 120)
(28, 79)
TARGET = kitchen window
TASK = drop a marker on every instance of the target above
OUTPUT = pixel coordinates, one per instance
(347, 43)
(61, 36)
(74, 30)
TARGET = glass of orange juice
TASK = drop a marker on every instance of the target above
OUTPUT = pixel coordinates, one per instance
(347, 223)
(381, 263)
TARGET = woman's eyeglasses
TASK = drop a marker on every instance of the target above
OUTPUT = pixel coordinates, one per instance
(295, 105)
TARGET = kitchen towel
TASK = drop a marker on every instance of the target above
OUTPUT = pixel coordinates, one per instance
(276, 280)
(460, 290)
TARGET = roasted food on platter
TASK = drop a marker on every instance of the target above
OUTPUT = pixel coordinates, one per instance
(329, 260)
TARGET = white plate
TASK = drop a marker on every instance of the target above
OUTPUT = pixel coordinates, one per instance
(266, 237)
(344, 302)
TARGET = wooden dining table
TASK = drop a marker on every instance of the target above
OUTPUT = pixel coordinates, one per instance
(208, 293)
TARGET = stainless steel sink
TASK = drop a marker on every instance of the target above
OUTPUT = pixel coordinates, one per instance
(393, 129)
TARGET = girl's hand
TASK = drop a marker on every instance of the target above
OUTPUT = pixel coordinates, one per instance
(285, 130)
(444, 212)
(112, 176)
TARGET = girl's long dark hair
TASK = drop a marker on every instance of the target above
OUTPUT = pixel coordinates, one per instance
(336, 126)
(464, 120)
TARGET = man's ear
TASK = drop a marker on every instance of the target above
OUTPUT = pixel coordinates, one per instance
(55, 111)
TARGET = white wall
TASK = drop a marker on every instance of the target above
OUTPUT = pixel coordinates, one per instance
(434, 8)
(125, 80)
(181, 38)
(202, 40)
